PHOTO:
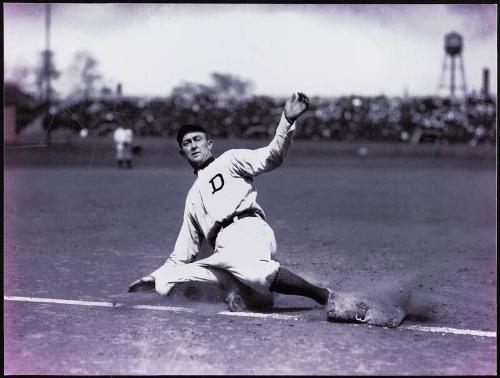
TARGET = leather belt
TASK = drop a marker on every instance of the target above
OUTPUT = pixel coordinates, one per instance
(226, 223)
(243, 214)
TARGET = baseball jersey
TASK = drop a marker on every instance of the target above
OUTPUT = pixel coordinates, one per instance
(129, 136)
(119, 135)
(122, 135)
(223, 188)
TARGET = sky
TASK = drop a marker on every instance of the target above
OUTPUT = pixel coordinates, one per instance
(319, 49)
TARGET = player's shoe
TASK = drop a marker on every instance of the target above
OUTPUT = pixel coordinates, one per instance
(345, 308)
(246, 299)
(349, 308)
(235, 302)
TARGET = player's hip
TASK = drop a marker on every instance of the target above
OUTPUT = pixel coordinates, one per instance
(251, 233)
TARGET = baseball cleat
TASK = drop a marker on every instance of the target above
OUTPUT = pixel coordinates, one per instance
(236, 302)
(343, 307)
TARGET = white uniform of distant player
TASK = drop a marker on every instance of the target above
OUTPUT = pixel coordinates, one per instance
(123, 142)
(223, 189)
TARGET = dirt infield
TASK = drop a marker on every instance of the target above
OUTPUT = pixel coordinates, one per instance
(78, 228)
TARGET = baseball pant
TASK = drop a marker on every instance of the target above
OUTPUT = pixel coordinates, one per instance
(123, 151)
(245, 250)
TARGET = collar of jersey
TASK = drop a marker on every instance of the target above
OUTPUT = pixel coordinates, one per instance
(204, 165)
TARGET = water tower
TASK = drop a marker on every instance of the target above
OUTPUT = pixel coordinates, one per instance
(454, 63)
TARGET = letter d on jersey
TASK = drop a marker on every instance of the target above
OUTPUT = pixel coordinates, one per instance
(214, 182)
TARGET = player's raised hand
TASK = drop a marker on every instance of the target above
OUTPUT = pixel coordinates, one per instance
(143, 284)
(297, 104)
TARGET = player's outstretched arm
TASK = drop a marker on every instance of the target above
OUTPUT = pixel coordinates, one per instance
(247, 162)
(143, 284)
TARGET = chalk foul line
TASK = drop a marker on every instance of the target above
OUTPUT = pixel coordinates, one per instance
(455, 331)
(442, 330)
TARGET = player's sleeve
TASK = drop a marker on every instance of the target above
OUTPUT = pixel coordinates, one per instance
(245, 162)
(186, 246)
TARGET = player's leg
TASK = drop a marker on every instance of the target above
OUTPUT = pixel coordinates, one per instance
(247, 249)
(213, 270)
(289, 283)
(127, 154)
(166, 279)
(340, 306)
(119, 154)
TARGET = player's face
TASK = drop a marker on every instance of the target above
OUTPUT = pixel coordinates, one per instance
(196, 148)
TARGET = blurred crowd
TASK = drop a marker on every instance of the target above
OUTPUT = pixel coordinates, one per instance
(378, 118)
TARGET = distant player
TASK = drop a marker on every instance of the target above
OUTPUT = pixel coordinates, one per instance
(221, 207)
(123, 139)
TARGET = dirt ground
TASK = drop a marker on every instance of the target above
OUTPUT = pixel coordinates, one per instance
(78, 228)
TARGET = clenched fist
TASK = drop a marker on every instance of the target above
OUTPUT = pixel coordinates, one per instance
(295, 106)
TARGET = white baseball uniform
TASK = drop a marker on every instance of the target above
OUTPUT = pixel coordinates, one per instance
(123, 141)
(224, 188)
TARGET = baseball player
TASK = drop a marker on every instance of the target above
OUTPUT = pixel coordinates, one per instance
(123, 144)
(221, 207)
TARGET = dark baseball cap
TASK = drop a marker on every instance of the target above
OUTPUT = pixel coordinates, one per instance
(189, 129)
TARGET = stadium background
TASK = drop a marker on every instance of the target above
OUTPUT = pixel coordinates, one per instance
(377, 192)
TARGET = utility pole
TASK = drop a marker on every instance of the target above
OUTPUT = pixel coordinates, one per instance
(48, 73)
(485, 90)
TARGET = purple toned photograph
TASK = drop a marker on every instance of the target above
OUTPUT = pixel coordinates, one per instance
(250, 189)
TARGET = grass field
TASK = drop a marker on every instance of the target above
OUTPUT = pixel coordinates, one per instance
(77, 228)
